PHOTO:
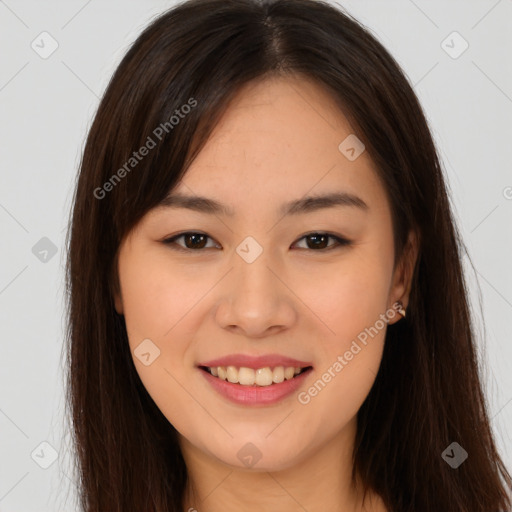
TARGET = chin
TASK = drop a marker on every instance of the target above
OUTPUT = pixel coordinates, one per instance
(259, 454)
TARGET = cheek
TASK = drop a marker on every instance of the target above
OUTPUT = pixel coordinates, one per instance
(350, 356)
(155, 295)
(350, 298)
(155, 299)
(351, 304)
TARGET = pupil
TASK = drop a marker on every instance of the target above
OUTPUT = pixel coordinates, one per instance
(198, 240)
(316, 237)
(193, 237)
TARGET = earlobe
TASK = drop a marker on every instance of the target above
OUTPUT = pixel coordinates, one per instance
(396, 312)
(400, 309)
(403, 277)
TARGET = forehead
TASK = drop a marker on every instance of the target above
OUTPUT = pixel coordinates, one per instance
(279, 140)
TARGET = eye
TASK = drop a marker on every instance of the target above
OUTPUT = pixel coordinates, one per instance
(192, 239)
(195, 241)
(320, 239)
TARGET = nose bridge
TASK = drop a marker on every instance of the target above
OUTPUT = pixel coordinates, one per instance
(257, 298)
(255, 282)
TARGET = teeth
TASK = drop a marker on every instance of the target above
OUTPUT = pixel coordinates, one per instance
(246, 377)
(222, 372)
(289, 372)
(278, 374)
(260, 377)
(263, 376)
(232, 374)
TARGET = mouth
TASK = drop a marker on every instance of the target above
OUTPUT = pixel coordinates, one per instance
(263, 377)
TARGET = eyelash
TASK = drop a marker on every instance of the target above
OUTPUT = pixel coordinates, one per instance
(340, 241)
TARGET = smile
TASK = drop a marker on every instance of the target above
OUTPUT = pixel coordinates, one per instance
(265, 394)
(265, 376)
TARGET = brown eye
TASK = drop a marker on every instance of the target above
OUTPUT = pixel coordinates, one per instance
(319, 241)
(192, 241)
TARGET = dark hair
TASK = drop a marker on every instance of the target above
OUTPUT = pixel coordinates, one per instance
(427, 392)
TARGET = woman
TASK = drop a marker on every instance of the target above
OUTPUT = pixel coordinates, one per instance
(267, 308)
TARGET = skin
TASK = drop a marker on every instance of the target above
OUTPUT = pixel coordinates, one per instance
(278, 141)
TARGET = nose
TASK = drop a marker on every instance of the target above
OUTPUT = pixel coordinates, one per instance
(256, 302)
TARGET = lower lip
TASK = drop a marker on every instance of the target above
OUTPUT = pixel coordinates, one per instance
(255, 395)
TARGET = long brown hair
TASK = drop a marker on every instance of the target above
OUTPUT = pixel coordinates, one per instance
(427, 393)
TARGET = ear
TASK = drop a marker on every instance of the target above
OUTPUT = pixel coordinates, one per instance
(402, 277)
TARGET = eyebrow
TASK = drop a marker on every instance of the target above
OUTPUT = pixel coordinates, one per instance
(299, 206)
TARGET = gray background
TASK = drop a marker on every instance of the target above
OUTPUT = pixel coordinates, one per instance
(46, 106)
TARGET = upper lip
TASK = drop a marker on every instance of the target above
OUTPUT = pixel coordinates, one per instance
(255, 362)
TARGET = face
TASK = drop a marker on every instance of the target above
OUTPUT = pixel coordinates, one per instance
(256, 285)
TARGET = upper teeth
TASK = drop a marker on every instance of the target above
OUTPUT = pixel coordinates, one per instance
(261, 377)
